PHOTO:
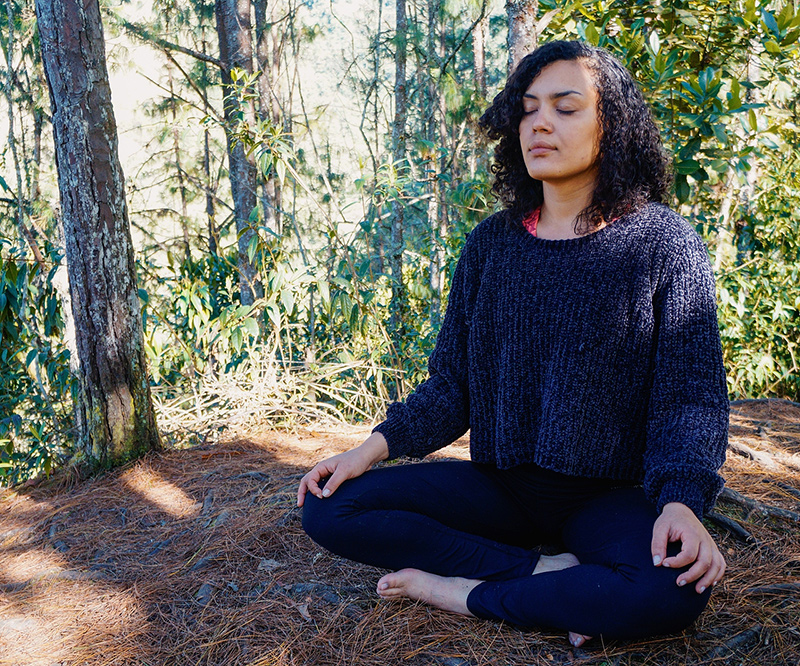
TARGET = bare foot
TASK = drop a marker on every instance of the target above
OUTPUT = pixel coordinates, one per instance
(446, 593)
(557, 563)
(578, 639)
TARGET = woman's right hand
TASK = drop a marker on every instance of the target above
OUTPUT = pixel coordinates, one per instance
(343, 466)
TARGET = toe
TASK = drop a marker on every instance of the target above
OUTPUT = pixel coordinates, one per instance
(578, 639)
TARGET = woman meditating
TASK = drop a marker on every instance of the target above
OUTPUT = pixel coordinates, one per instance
(581, 350)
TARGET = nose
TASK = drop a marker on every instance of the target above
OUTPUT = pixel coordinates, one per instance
(542, 120)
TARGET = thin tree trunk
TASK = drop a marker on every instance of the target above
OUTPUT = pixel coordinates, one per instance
(115, 401)
(38, 124)
(236, 51)
(12, 141)
(399, 156)
(479, 54)
(213, 234)
(210, 184)
(522, 36)
(176, 147)
(268, 110)
(431, 185)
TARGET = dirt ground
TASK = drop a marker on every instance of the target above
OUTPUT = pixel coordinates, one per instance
(197, 556)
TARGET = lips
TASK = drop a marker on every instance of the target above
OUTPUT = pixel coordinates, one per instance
(540, 148)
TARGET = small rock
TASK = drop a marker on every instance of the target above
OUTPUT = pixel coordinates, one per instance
(60, 546)
(221, 519)
(208, 501)
(204, 594)
(269, 565)
(51, 534)
(258, 476)
(233, 586)
(204, 562)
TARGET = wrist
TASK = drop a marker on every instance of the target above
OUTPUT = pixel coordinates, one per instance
(375, 448)
(676, 507)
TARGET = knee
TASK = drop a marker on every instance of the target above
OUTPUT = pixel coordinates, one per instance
(321, 519)
(659, 606)
(314, 516)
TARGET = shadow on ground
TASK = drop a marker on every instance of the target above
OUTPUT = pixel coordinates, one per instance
(197, 556)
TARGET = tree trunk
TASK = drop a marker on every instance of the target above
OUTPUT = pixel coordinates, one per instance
(119, 422)
(213, 234)
(521, 29)
(176, 147)
(268, 110)
(236, 52)
(434, 105)
(479, 54)
(399, 155)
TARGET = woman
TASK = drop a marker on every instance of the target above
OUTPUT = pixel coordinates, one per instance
(581, 349)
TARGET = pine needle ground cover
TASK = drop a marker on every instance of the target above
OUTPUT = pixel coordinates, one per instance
(197, 556)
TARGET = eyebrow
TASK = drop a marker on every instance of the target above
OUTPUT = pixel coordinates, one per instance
(557, 95)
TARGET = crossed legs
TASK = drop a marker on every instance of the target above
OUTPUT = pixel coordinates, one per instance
(476, 528)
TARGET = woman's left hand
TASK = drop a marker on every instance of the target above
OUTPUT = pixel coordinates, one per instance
(677, 522)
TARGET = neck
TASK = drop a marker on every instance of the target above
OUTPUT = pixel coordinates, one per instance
(562, 204)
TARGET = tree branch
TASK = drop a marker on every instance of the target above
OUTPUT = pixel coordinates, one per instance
(145, 35)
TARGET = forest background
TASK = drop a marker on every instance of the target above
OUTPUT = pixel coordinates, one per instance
(352, 128)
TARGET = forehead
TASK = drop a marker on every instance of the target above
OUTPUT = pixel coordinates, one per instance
(561, 76)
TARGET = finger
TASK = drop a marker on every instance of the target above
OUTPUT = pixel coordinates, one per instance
(312, 480)
(658, 546)
(301, 492)
(714, 573)
(690, 549)
(701, 565)
(337, 478)
(723, 569)
(708, 578)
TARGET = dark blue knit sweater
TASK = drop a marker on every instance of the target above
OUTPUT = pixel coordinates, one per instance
(597, 356)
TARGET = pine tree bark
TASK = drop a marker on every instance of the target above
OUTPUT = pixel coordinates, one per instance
(116, 419)
(236, 52)
(522, 38)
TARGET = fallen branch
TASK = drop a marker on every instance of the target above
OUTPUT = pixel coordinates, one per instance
(754, 506)
(794, 492)
(762, 401)
(761, 457)
(742, 639)
(778, 588)
(734, 528)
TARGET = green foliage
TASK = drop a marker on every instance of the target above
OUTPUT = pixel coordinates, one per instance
(36, 386)
(723, 80)
(722, 77)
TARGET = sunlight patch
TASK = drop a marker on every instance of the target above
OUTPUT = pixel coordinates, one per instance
(163, 494)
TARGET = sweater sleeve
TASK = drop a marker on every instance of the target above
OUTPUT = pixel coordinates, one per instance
(437, 412)
(687, 429)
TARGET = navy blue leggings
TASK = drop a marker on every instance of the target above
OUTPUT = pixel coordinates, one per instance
(475, 521)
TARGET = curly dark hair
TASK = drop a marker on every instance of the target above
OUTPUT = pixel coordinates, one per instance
(633, 166)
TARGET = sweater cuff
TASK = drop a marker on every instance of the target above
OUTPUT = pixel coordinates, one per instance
(682, 491)
(395, 432)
